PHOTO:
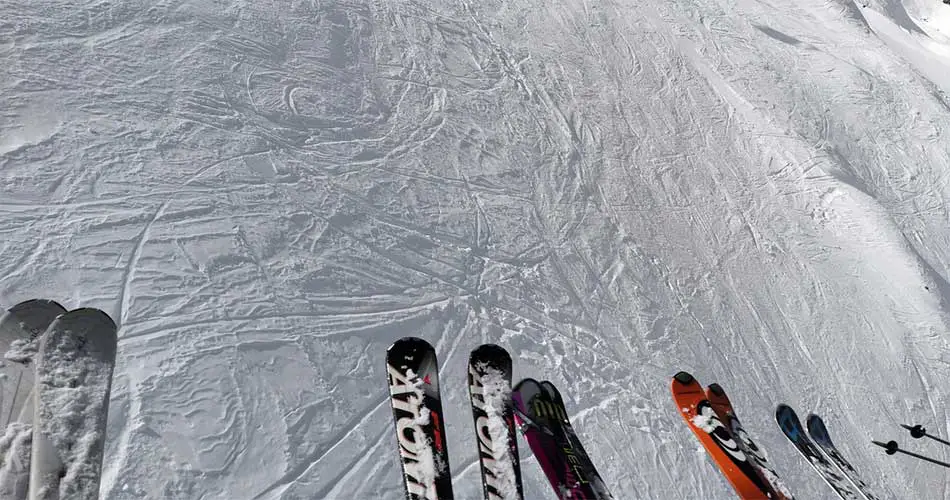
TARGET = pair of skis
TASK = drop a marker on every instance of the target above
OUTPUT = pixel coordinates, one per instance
(420, 429)
(54, 395)
(711, 417)
(822, 454)
(537, 407)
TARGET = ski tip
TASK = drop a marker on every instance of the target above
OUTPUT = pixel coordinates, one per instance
(28, 306)
(552, 391)
(91, 317)
(525, 382)
(409, 343)
(716, 389)
(492, 351)
(684, 378)
(36, 314)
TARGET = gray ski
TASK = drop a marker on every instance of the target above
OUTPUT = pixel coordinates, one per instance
(819, 434)
(73, 380)
(19, 327)
(792, 428)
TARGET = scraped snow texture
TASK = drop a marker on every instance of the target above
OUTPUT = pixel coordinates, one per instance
(15, 445)
(267, 194)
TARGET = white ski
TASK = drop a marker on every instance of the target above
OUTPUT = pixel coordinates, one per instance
(73, 380)
(19, 327)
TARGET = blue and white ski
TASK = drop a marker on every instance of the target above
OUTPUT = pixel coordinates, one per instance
(792, 428)
(819, 434)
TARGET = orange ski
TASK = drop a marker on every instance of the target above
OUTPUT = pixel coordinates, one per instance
(727, 415)
(699, 414)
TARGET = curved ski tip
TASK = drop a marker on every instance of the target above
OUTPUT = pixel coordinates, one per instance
(28, 306)
(88, 318)
(717, 390)
(36, 314)
(410, 341)
(526, 382)
(683, 378)
(489, 347)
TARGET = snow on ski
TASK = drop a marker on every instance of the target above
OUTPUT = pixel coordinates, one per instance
(819, 434)
(73, 380)
(727, 415)
(539, 420)
(792, 428)
(600, 487)
(19, 327)
(718, 441)
(489, 388)
(413, 372)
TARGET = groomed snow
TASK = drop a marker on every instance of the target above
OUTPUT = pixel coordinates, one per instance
(266, 194)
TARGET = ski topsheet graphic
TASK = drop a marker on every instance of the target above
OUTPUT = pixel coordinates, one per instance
(792, 428)
(71, 402)
(489, 388)
(719, 442)
(600, 488)
(727, 415)
(819, 434)
(540, 419)
(417, 412)
(19, 327)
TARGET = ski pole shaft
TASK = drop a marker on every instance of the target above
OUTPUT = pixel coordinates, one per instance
(892, 448)
(917, 431)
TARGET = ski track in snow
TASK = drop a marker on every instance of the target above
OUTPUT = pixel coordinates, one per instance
(267, 194)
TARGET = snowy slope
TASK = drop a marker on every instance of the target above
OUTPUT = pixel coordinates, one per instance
(266, 194)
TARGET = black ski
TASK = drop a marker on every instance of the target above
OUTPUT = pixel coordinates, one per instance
(489, 389)
(545, 425)
(417, 412)
(599, 486)
(819, 434)
(792, 428)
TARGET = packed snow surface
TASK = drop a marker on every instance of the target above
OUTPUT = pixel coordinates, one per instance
(266, 194)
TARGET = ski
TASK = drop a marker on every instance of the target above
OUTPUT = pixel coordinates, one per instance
(792, 428)
(413, 373)
(74, 367)
(819, 434)
(540, 420)
(600, 487)
(727, 415)
(489, 389)
(722, 447)
(19, 327)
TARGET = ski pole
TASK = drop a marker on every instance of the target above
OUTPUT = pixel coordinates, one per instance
(918, 432)
(892, 447)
